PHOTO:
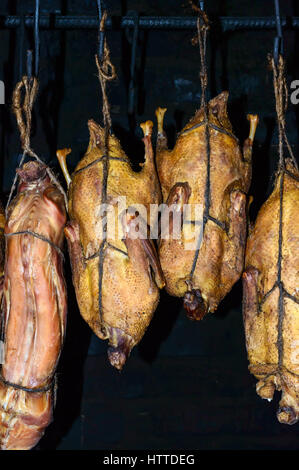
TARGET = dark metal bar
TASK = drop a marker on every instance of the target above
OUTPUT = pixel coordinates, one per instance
(148, 22)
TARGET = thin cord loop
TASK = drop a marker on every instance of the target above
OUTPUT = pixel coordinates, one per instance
(23, 113)
(106, 72)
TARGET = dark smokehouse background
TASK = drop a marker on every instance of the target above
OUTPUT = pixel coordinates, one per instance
(186, 385)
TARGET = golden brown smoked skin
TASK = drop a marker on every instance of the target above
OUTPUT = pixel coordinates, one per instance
(35, 306)
(183, 173)
(270, 307)
(130, 272)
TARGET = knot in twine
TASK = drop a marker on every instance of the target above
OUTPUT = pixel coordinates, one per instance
(106, 72)
(23, 113)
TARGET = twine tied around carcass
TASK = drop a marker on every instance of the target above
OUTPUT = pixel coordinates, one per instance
(106, 73)
(23, 113)
(202, 30)
(281, 104)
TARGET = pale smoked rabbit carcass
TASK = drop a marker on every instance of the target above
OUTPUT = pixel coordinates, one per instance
(34, 308)
(2, 245)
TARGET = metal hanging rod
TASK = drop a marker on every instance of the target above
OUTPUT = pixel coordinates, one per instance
(53, 21)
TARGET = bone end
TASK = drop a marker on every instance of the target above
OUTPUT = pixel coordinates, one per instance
(160, 112)
(147, 128)
(61, 155)
(253, 121)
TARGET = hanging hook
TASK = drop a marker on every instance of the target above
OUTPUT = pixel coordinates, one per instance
(36, 46)
(36, 37)
(101, 8)
(21, 45)
(132, 84)
(278, 40)
(29, 63)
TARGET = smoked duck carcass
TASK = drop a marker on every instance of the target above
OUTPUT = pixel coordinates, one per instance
(207, 169)
(116, 278)
(271, 295)
(34, 308)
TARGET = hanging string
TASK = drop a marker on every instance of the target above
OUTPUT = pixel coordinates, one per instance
(106, 73)
(202, 29)
(23, 113)
(281, 104)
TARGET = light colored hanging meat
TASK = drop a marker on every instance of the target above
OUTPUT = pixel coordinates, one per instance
(207, 168)
(35, 306)
(2, 245)
(271, 295)
(116, 280)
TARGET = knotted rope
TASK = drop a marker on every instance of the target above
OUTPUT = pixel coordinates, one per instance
(203, 27)
(106, 73)
(23, 113)
(281, 104)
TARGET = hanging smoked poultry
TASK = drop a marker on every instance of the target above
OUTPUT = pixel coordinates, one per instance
(116, 279)
(207, 168)
(208, 173)
(271, 283)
